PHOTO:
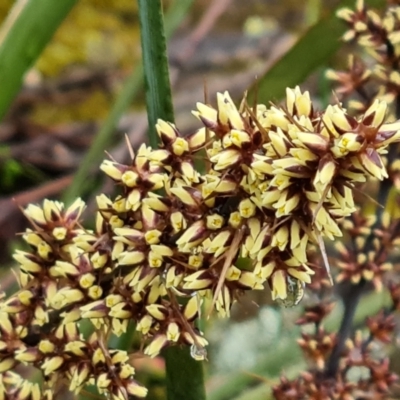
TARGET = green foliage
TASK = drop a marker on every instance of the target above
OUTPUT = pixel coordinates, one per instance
(25, 41)
(311, 51)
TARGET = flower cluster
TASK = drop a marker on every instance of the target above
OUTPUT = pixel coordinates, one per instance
(277, 181)
(343, 364)
(362, 370)
(378, 76)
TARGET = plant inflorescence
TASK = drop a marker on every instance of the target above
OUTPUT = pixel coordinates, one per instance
(278, 180)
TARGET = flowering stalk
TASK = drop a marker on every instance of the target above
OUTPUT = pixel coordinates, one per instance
(372, 32)
(366, 260)
(184, 376)
(279, 179)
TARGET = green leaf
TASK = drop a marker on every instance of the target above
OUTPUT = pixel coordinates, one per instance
(313, 49)
(155, 63)
(29, 33)
(184, 375)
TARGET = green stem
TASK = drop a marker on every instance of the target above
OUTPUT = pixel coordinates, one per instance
(32, 29)
(155, 63)
(185, 379)
(131, 87)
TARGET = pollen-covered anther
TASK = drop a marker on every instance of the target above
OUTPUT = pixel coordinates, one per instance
(130, 178)
(239, 138)
(180, 146)
(95, 292)
(99, 260)
(233, 273)
(152, 236)
(87, 280)
(120, 204)
(155, 260)
(247, 208)
(214, 221)
(235, 219)
(195, 261)
(348, 142)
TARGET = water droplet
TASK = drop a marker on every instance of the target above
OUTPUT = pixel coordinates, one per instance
(199, 353)
(295, 292)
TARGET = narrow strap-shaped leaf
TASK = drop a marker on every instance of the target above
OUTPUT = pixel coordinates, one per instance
(155, 63)
(312, 50)
(30, 32)
(185, 380)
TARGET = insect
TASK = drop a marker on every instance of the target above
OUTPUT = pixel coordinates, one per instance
(295, 292)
